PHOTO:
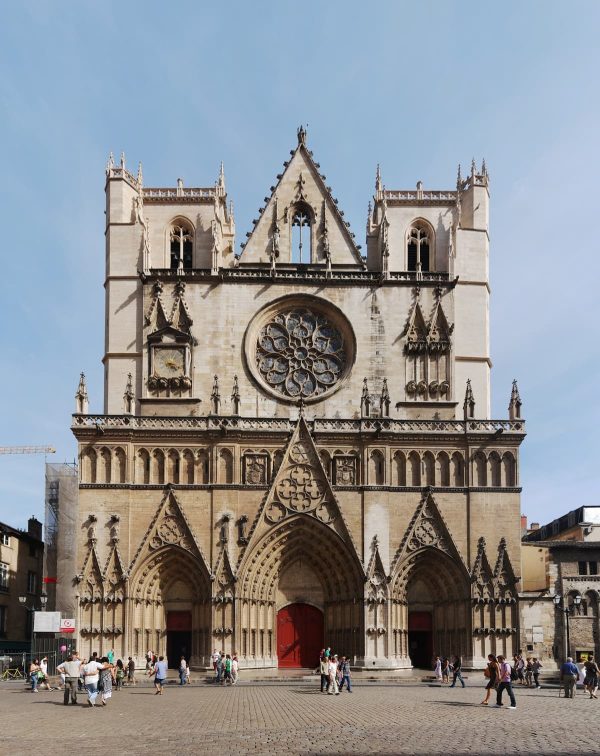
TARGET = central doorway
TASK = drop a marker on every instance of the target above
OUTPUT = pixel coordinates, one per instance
(420, 639)
(299, 635)
(179, 637)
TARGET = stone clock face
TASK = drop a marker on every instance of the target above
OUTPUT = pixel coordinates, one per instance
(169, 362)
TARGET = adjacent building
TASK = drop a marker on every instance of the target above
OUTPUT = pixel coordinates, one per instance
(561, 586)
(296, 445)
(21, 573)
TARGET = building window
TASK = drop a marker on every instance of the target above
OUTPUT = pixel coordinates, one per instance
(5, 539)
(32, 550)
(31, 582)
(182, 247)
(582, 568)
(418, 248)
(3, 613)
(3, 576)
(593, 568)
(301, 235)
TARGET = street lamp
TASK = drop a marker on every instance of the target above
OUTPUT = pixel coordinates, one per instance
(567, 611)
(31, 610)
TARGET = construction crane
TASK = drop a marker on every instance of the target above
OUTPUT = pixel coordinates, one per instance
(27, 450)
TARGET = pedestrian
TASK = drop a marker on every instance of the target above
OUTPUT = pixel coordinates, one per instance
(182, 670)
(149, 658)
(188, 679)
(227, 671)
(445, 670)
(219, 668)
(456, 672)
(491, 672)
(119, 674)
(520, 667)
(345, 674)
(34, 671)
(111, 656)
(107, 678)
(91, 672)
(529, 672)
(215, 658)
(43, 675)
(235, 669)
(324, 670)
(438, 668)
(505, 683)
(332, 670)
(160, 674)
(328, 652)
(131, 672)
(568, 677)
(70, 669)
(536, 666)
(592, 671)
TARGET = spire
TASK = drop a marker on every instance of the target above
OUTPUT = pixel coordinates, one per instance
(483, 168)
(221, 179)
(458, 179)
(81, 397)
(384, 400)
(129, 396)
(140, 177)
(215, 397)
(235, 396)
(473, 167)
(378, 184)
(365, 400)
(514, 408)
(469, 405)
(302, 134)
(110, 164)
(123, 160)
(369, 214)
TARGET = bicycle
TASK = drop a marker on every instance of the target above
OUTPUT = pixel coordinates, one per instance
(12, 674)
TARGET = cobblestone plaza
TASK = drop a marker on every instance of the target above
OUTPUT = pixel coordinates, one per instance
(281, 718)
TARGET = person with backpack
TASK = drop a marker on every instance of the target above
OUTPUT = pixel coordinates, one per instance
(505, 678)
(590, 682)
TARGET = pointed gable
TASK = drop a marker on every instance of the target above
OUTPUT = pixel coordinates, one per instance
(376, 577)
(156, 317)
(90, 575)
(114, 574)
(416, 330)
(438, 333)
(169, 527)
(427, 529)
(504, 574)
(301, 185)
(300, 487)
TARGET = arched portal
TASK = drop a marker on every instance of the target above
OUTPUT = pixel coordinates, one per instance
(301, 561)
(169, 606)
(431, 609)
(299, 635)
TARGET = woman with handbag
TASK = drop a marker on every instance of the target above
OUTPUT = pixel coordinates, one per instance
(491, 673)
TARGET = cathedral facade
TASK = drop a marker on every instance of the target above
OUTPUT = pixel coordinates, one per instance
(296, 448)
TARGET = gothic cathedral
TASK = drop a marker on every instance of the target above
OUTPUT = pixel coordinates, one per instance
(296, 448)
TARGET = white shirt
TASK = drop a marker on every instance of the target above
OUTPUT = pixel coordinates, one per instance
(332, 668)
(234, 665)
(91, 670)
(216, 657)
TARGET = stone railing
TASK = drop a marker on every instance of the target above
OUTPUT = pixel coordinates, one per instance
(301, 273)
(415, 195)
(318, 425)
(178, 193)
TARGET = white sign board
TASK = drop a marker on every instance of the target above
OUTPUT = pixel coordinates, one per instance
(46, 622)
(67, 626)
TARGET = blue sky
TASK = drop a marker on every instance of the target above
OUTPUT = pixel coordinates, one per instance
(417, 87)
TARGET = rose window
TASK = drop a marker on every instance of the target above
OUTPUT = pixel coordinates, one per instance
(300, 353)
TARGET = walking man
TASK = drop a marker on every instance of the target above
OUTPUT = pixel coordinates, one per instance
(568, 677)
(345, 671)
(456, 675)
(131, 672)
(182, 670)
(160, 675)
(70, 669)
(505, 683)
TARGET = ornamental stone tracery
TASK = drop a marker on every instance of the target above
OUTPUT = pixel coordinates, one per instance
(300, 353)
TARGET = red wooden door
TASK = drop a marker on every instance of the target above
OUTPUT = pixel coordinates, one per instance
(299, 635)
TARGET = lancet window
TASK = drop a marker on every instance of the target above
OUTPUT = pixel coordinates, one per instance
(301, 234)
(182, 246)
(419, 248)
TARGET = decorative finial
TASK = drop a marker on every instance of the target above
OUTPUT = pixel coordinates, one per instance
(110, 163)
(469, 405)
(365, 400)
(235, 396)
(81, 397)
(221, 181)
(140, 177)
(514, 408)
(458, 179)
(123, 160)
(473, 167)
(378, 182)
(302, 135)
(384, 400)
(215, 397)
(483, 168)
(129, 396)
